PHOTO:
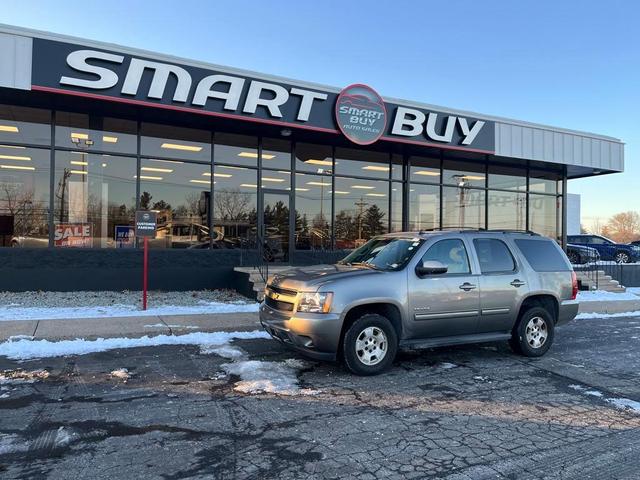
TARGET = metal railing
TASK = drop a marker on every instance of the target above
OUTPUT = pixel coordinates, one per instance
(592, 275)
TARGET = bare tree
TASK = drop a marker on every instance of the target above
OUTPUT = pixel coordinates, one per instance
(231, 204)
(624, 227)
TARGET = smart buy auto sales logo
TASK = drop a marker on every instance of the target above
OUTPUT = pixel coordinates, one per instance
(361, 114)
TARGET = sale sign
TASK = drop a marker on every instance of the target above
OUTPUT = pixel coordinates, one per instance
(73, 235)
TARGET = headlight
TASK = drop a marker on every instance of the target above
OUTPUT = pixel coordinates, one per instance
(315, 302)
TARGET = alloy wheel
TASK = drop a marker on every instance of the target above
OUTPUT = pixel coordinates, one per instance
(536, 332)
(371, 346)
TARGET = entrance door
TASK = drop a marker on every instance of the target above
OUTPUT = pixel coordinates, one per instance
(275, 226)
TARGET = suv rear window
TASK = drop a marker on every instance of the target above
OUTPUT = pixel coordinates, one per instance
(543, 255)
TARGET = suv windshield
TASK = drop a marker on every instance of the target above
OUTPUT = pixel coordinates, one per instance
(384, 253)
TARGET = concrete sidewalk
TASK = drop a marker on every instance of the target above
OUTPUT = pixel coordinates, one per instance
(91, 328)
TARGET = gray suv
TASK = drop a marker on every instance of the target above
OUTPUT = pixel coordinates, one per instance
(422, 290)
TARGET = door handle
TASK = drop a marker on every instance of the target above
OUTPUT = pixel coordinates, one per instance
(466, 286)
(517, 283)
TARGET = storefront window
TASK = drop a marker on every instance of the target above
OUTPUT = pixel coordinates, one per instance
(424, 207)
(396, 207)
(362, 163)
(541, 181)
(276, 154)
(237, 150)
(24, 197)
(313, 158)
(397, 163)
(104, 134)
(179, 143)
(276, 179)
(507, 210)
(543, 215)
(464, 174)
(507, 178)
(179, 192)
(235, 203)
(313, 212)
(25, 125)
(463, 207)
(361, 210)
(424, 169)
(94, 200)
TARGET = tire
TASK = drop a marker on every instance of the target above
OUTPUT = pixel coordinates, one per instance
(622, 257)
(534, 324)
(364, 340)
(574, 258)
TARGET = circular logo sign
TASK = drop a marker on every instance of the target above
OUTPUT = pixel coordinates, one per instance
(361, 114)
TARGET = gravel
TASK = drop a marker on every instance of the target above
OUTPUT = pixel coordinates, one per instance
(107, 298)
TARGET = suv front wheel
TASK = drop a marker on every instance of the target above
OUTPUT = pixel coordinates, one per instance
(533, 335)
(370, 345)
(622, 257)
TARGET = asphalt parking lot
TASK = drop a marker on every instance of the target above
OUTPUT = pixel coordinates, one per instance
(472, 412)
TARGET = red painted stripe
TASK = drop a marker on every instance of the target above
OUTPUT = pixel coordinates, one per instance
(132, 101)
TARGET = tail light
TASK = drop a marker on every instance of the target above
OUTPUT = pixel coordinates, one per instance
(574, 285)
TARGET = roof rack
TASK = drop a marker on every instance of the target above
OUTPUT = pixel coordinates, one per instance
(478, 230)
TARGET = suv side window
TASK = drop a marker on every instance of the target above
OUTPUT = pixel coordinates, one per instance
(597, 241)
(494, 256)
(452, 253)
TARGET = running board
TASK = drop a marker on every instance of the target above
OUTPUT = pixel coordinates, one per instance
(455, 340)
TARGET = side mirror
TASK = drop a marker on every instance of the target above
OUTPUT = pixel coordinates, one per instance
(431, 267)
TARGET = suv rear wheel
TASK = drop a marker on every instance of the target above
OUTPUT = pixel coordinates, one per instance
(533, 335)
(622, 257)
(370, 345)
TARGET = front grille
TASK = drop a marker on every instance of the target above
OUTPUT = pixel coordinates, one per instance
(278, 305)
(282, 291)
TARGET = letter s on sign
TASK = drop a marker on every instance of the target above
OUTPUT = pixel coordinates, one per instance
(78, 61)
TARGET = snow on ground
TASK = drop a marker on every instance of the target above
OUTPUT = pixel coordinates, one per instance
(268, 377)
(588, 316)
(603, 296)
(227, 351)
(618, 402)
(30, 349)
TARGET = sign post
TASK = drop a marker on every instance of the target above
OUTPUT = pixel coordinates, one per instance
(145, 229)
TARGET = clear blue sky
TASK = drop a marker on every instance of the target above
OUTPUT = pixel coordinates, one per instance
(573, 64)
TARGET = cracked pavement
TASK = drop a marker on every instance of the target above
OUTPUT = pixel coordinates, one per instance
(459, 413)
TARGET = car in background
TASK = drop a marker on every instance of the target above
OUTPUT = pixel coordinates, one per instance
(607, 248)
(580, 254)
(636, 242)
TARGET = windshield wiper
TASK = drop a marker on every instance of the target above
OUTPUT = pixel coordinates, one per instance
(363, 264)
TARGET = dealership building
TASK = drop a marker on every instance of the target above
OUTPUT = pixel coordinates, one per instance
(242, 167)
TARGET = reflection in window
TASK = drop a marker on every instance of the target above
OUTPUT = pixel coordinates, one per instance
(463, 174)
(313, 158)
(175, 142)
(424, 169)
(507, 178)
(397, 207)
(276, 153)
(237, 150)
(507, 210)
(25, 125)
(235, 206)
(361, 211)
(276, 179)
(313, 212)
(77, 130)
(94, 200)
(462, 208)
(396, 166)
(451, 253)
(362, 163)
(24, 196)
(180, 194)
(424, 207)
(544, 212)
(544, 182)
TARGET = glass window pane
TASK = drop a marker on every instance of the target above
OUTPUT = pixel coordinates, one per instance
(313, 212)
(424, 207)
(462, 208)
(450, 252)
(493, 255)
(424, 169)
(24, 196)
(175, 142)
(25, 125)
(362, 163)
(361, 210)
(235, 203)
(276, 179)
(396, 166)
(94, 195)
(77, 130)
(463, 174)
(544, 182)
(178, 192)
(507, 178)
(276, 153)
(543, 215)
(236, 149)
(507, 211)
(397, 207)
(313, 158)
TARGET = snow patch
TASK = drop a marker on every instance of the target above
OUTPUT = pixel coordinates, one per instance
(268, 377)
(30, 349)
(12, 444)
(589, 316)
(447, 365)
(227, 351)
(121, 373)
(618, 402)
(170, 325)
(604, 296)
